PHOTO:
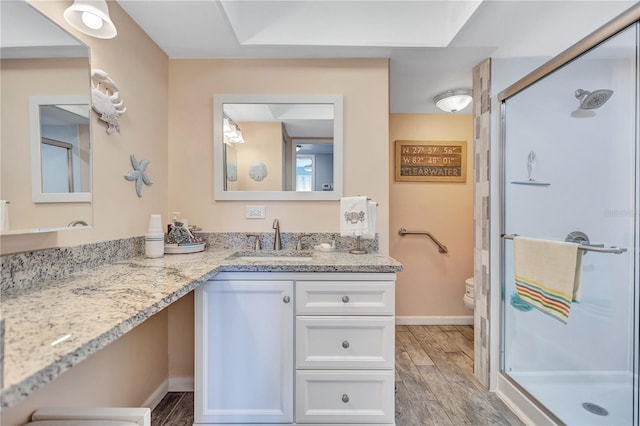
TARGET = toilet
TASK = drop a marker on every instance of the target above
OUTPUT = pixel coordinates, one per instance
(469, 300)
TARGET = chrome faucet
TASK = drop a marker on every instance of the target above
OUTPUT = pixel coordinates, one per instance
(257, 245)
(77, 222)
(277, 241)
(300, 236)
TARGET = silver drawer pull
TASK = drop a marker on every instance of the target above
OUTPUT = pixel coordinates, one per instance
(345, 398)
(345, 344)
(345, 299)
(286, 299)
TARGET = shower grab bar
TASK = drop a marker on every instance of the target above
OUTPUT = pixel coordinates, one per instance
(599, 248)
(441, 247)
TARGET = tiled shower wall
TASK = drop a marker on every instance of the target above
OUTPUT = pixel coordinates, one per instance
(481, 121)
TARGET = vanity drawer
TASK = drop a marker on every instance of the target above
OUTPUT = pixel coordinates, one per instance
(344, 396)
(345, 297)
(345, 342)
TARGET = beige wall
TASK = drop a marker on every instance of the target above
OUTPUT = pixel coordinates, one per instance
(181, 338)
(192, 83)
(432, 284)
(140, 69)
(128, 370)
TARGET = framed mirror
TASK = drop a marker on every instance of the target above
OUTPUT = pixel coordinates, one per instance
(45, 175)
(278, 147)
(60, 149)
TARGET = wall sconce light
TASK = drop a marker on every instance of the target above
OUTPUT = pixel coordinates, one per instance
(453, 100)
(91, 17)
(231, 131)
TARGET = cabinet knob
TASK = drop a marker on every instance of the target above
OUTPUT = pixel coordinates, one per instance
(345, 299)
(345, 344)
(345, 398)
(286, 299)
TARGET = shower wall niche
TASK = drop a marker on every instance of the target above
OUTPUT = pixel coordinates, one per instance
(584, 178)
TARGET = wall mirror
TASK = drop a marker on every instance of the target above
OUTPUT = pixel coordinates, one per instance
(277, 147)
(45, 143)
(60, 149)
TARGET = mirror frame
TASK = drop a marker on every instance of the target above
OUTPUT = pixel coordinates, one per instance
(37, 195)
(219, 170)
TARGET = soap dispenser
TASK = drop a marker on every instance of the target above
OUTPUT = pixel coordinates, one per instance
(173, 222)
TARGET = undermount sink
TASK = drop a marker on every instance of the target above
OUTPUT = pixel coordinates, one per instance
(270, 257)
(273, 258)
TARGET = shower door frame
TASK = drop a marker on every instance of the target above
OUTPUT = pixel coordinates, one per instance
(615, 26)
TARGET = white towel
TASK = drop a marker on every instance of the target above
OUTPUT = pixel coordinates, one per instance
(357, 217)
(547, 274)
(372, 208)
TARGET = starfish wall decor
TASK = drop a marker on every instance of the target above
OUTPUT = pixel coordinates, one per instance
(138, 174)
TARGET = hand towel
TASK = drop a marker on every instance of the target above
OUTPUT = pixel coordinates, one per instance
(547, 274)
(357, 217)
(372, 209)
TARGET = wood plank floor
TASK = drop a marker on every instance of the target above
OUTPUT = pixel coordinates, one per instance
(434, 384)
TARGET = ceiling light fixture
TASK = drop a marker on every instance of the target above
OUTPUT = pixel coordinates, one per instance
(453, 100)
(91, 17)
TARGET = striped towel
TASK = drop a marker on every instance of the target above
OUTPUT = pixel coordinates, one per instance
(547, 274)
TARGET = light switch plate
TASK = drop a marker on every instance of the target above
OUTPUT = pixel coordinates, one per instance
(254, 212)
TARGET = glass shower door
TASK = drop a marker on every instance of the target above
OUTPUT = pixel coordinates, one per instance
(571, 171)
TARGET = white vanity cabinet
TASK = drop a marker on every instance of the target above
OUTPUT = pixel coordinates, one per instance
(244, 352)
(340, 363)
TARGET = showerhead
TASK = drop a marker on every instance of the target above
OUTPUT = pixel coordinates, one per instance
(593, 100)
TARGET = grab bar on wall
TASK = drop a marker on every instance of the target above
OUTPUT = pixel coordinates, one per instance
(585, 247)
(441, 247)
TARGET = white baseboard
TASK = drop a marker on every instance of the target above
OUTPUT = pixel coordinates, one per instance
(172, 384)
(181, 384)
(157, 395)
(435, 320)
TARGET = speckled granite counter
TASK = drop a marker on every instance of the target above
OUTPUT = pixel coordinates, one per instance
(100, 305)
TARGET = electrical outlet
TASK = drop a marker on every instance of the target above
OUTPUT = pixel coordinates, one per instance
(254, 212)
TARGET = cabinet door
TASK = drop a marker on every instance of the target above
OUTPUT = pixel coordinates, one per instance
(244, 352)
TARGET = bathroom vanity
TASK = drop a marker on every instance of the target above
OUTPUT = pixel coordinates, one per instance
(295, 347)
(281, 301)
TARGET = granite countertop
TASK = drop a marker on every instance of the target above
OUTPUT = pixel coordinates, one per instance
(100, 305)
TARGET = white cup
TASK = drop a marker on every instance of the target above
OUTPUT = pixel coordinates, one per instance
(155, 224)
(154, 245)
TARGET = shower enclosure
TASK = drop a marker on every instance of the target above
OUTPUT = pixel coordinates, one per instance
(571, 172)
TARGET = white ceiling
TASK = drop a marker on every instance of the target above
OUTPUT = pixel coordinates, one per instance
(432, 44)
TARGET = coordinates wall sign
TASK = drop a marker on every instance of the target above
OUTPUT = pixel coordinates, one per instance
(431, 161)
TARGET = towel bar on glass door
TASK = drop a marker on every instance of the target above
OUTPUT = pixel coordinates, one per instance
(614, 250)
(441, 247)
